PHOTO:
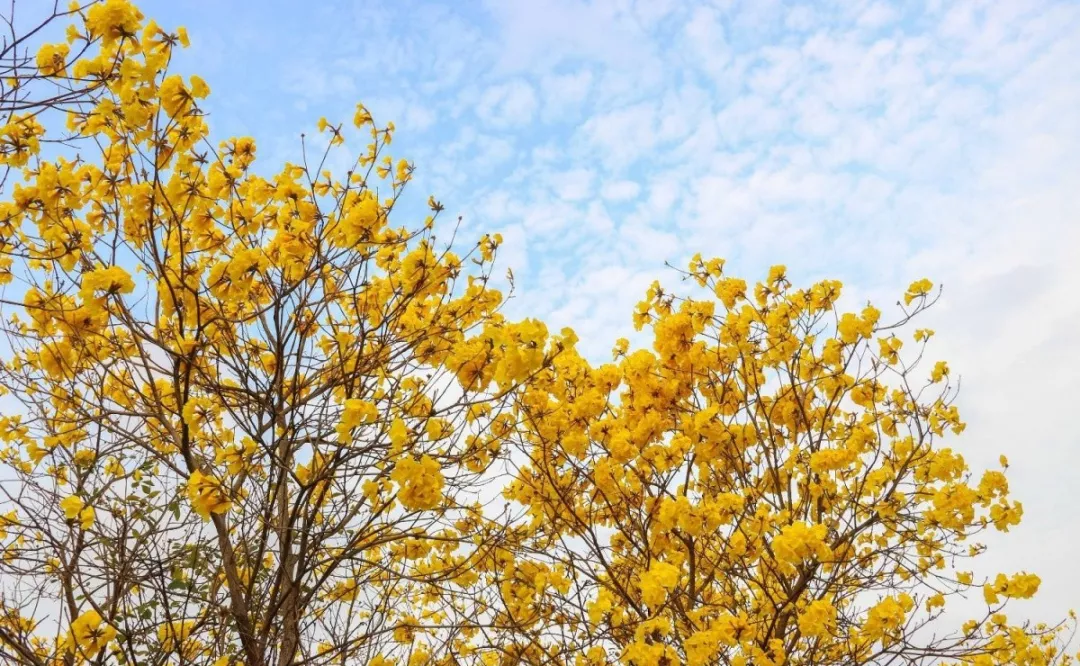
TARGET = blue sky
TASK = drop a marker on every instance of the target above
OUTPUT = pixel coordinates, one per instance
(872, 142)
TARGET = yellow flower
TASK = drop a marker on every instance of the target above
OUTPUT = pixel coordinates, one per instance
(113, 20)
(399, 435)
(207, 495)
(176, 99)
(437, 429)
(917, 289)
(777, 275)
(421, 482)
(37, 452)
(114, 467)
(622, 345)
(7, 520)
(52, 59)
(887, 616)
(86, 518)
(109, 280)
(657, 582)
(940, 371)
(238, 457)
(818, 619)
(890, 349)
(72, 505)
(362, 116)
(799, 541)
(199, 89)
(853, 327)
(357, 412)
(730, 291)
(89, 634)
(406, 630)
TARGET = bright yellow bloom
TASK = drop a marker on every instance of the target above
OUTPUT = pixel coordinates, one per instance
(113, 20)
(207, 495)
(818, 619)
(52, 59)
(111, 280)
(87, 517)
(940, 371)
(655, 584)
(89, 634)
(84, 457)
(421, 482)
(72, 505)
(917, 289)
(399, 435)
(357, 412)
(176, 99)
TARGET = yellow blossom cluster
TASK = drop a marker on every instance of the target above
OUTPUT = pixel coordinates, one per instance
(739, 492)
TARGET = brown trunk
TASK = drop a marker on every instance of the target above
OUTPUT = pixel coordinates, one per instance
(290, 600)
(237, 603)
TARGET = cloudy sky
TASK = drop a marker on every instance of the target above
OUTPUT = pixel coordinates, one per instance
(872, 142)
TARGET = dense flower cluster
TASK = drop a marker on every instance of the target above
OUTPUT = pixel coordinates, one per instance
(766, 485)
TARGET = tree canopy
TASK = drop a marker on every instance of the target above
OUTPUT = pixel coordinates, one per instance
(257, 418)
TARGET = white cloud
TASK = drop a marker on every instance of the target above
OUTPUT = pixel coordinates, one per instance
(314, 83)
(877, 15)
(747, 118)
(622, 136)
(573, 185)
(562, 93)
(708, 43)
(408, 115)
(535, 35)
(663, 193)
(508, 104)
(620, 190)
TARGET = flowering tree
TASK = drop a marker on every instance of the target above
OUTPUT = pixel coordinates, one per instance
(766, 485)
(248, 420)
(252, 414)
